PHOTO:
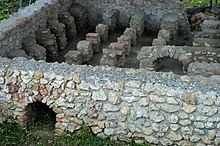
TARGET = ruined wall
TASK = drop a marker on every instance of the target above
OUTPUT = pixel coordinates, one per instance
(125, 104)
(26, 21)
(204, 69)
(154, 10)
(149, 54)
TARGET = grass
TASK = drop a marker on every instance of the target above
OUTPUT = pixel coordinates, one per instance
(195, 3)
(12, 134)
(8, 7)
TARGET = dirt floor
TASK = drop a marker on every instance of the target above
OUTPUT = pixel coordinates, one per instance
(146, 39)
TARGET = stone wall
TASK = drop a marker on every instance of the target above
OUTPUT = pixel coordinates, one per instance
(154, 10)
(185, 54)
(27, 21)
(204, 69)
(124, 104)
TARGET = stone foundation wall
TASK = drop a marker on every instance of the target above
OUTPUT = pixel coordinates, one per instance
(185, 54)
(124, 104)
(204, 69)
(154, 10)
(25, 22)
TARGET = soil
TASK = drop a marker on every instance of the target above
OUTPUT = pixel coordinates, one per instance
(168, 64)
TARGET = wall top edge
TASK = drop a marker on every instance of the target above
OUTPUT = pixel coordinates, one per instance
(112, 74)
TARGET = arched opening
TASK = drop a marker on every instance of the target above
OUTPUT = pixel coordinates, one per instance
(168, 64)
(40, 118)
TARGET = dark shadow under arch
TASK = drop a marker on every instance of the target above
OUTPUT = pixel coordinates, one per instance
(168, 64)
(40, 116)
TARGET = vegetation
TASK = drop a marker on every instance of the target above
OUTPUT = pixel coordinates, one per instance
(195, 3)
(8, 7)
(12, 134)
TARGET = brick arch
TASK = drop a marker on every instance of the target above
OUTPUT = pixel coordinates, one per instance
(149, 55)
(26, 98)
(29, 109)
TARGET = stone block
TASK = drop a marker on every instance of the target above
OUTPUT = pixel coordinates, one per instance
(95, 39)
(119, 51)
(137, 22)
(211, 34)
(17, 53)
(126, 40)
(110, 18)
(159, 42)
(206, 42)
(211, 24)
(118, 47)
(133, 34)
(103, 31)
(204, 68)
(73, 57)
(165, 34)
(86, 48)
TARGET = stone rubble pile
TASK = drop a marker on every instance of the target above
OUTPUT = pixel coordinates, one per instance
(198, 18)
(210, 35)
(137, 22)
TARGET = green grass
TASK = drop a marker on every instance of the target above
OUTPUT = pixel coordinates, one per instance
(12, 134)
(7, 7)
(195, 3)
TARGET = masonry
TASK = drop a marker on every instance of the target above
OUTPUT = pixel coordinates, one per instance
(123, 104)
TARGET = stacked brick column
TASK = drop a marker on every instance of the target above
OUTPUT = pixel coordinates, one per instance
(163, 38)
(110, 18)
(48, 40)
(73, 57)
(95, 40)
(103, 31)
(170, 22)
(86, 48)
(137, 22)
(114, 54)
